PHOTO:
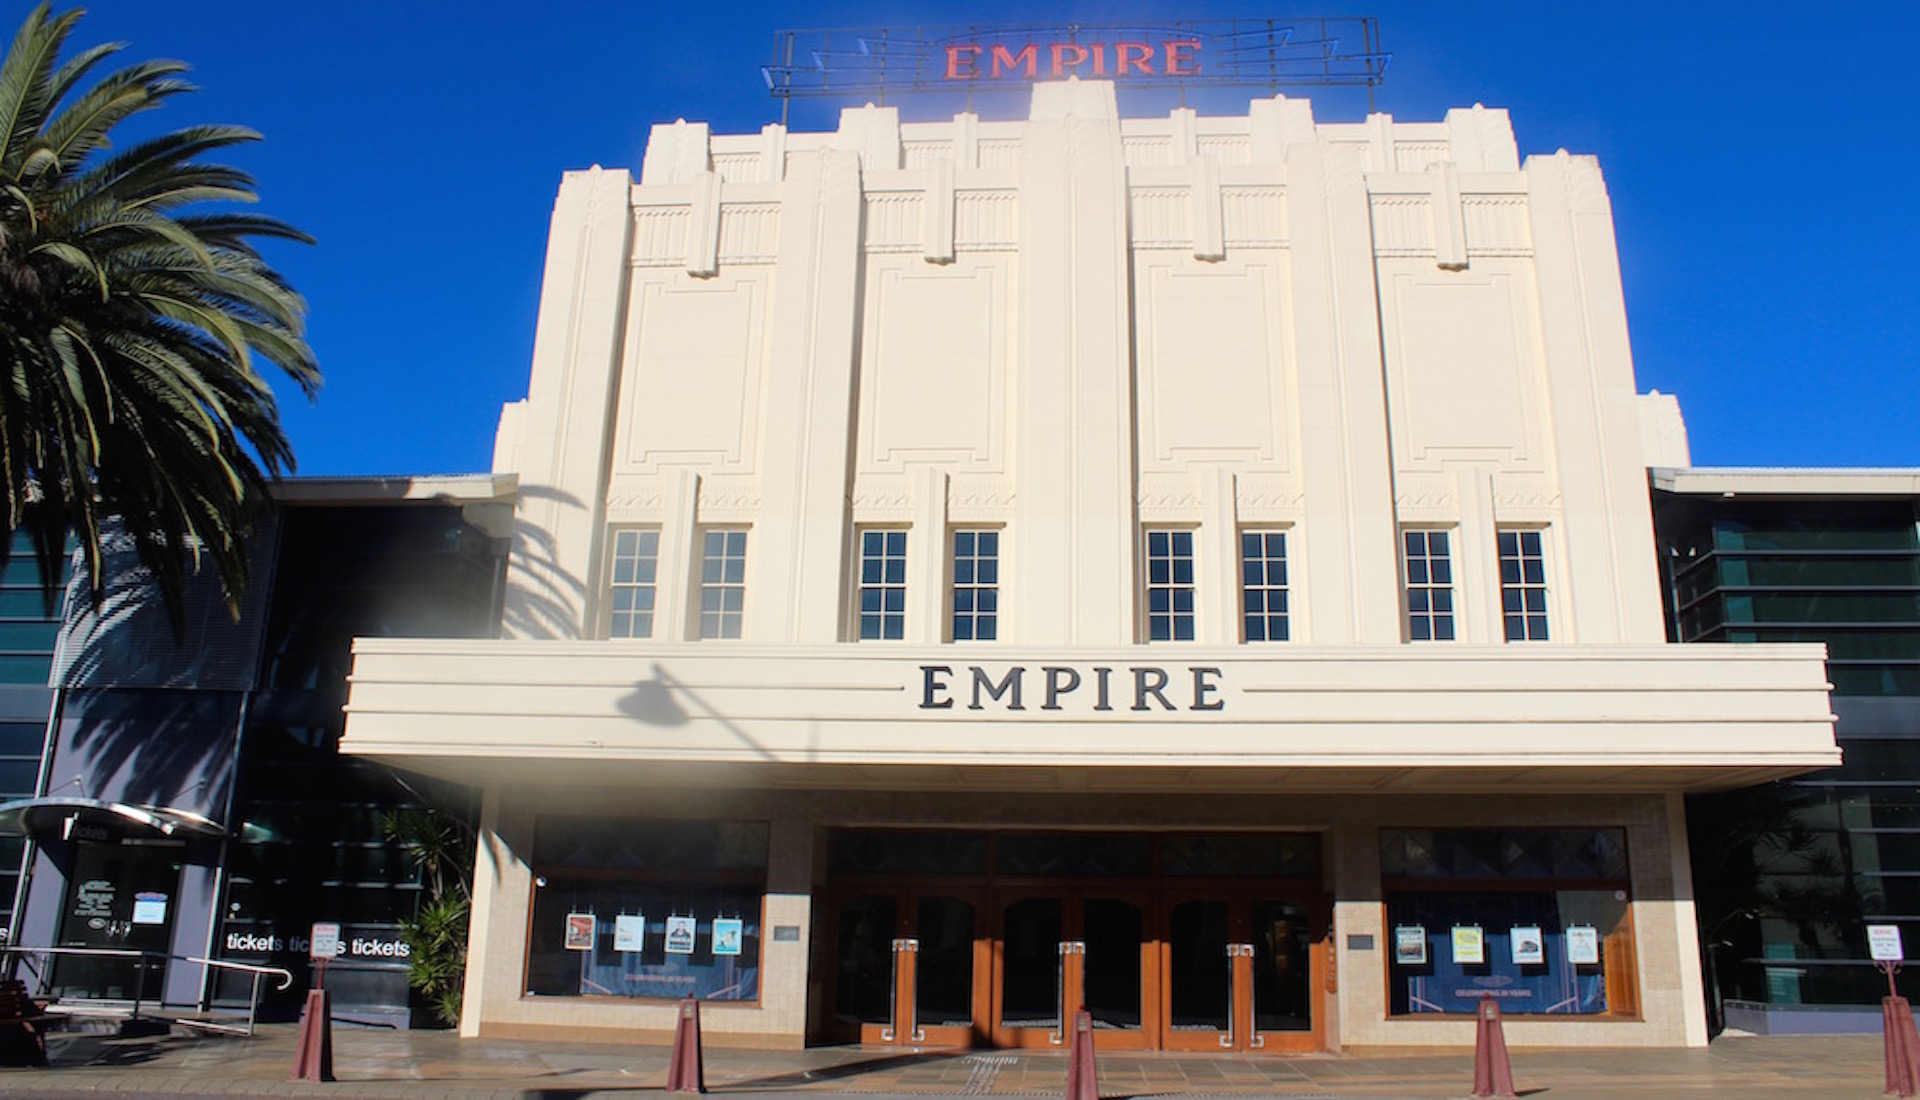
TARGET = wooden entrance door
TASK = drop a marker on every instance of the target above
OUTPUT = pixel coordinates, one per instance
(913, 967)
(1242, 972)
(1057, 952)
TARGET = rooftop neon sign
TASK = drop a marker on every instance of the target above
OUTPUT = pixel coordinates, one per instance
(1269, 53)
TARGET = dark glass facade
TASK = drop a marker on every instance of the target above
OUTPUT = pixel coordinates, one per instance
(1788, 875)
(29, 628)
(237, 722)
(314, 847)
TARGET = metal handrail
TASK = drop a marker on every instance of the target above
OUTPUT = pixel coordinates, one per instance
(253, 1000)
(140, 990)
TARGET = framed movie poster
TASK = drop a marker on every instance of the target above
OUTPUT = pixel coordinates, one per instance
(580, 928)
(726, 935)
(1469, 945)
(1583, 945)
(1410, 944)
(630, 932)
(679, 935)
(1529, 947)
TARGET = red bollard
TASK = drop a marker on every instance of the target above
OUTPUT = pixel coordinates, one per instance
(685, 1073)
(1082, 1075)
(1902, 1047)
(313, 1060)
(1492, 1074)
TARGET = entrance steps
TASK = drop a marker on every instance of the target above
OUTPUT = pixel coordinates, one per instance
(87, 1017)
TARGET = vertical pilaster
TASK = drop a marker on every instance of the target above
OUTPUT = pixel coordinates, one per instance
(1347, 473)
(783, 978)
(1074, 445)
(1217, 570)
(1686, 925)
(570, 408)
(1476, 565)
(502, 885)
(1612, 583)
(802, 530)
(674, 616)
(927, 558)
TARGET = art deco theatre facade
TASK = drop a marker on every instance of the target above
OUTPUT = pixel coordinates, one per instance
(1194, 568)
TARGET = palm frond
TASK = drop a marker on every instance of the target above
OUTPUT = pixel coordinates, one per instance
(135, 311)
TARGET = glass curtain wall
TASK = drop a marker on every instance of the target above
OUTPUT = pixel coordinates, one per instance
(1787, 875)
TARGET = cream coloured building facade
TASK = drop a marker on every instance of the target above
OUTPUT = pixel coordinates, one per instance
(1198, 569)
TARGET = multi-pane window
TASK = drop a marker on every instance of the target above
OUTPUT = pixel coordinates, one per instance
(723, 583)
(1429, 575)
(1170, 586)
(636, 559)
(1263, 585)
(976, 586)
(883, 585)
(1523, 586)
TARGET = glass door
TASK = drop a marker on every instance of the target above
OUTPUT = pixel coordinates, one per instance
(1057, 953)
(120, 897)
(951, 957)
(1287, 967)
(910, 968)
(1240, 973)
(1204, 998)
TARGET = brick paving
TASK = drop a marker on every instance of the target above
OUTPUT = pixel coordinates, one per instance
(424, 1064)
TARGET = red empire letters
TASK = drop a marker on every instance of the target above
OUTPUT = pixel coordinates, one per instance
(972, 61)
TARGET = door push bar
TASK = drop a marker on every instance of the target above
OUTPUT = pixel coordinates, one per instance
(1067, 947)
(914, 1034)
(1231, 1038)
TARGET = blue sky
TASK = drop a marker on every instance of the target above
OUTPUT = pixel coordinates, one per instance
(1758, 156)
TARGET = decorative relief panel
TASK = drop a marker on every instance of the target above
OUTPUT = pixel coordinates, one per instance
(1497, 225)
(1147, 150)
(727, 500)
(1268, 498)
(979, 500)
(1000, 153)
(1254, 216)
(919, 154)
(749, 232)
(1462, 367)
(1525, 499)
(1428, 499)
(1228, 148)
(1415, 156)
(1212, 383)
(1162, 217)
(636, 499)
(737, 167)
(660, 236)
(1170, 498)
(1402, 225)
(690, 388)
(933, 364)
(893, 221)
(882, 498)
(985, 221)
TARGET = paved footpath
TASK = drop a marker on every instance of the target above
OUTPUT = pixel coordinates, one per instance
(426, 1064)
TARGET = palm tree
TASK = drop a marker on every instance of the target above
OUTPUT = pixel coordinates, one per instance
(133, 321)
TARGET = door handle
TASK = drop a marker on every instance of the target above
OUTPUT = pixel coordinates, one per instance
(1067, 947)
(1231, 1039)
(912, 1028)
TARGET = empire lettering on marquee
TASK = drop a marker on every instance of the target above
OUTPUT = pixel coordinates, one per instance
(1135, 688)
(1173, 57)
